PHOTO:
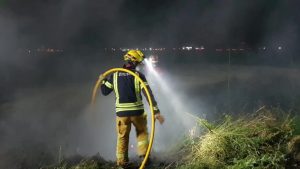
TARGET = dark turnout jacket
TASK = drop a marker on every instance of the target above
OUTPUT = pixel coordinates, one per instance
(128, 90)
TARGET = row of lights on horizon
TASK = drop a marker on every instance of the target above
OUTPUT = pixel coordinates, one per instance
(155, 49)
(44, 50)
(186, 48)
(183, 48)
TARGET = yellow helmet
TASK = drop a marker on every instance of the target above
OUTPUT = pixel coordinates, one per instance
(134, 56)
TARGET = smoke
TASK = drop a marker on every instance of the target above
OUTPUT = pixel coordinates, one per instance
(45, 97)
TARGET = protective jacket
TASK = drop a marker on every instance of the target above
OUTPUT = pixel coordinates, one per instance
(128, 92)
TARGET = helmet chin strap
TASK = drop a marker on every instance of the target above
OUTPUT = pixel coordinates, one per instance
(131, 65)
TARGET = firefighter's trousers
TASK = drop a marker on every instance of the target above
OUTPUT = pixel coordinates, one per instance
(123, 126)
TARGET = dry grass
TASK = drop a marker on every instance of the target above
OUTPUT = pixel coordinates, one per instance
(253, 142)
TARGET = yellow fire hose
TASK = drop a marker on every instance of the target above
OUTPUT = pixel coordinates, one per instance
(148, 96)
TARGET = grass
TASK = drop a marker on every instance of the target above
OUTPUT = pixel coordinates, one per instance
(259, 141)
(79, 162)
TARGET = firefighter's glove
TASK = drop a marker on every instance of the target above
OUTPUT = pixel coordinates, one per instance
(160, 118)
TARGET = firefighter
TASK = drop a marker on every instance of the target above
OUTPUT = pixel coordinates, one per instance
(129, 106)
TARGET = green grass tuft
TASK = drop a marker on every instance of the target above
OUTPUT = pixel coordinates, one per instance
(252, 142)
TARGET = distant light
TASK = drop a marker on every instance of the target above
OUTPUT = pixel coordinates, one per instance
(279, 47)
(150, 49)
(264, 48)
(189, 48)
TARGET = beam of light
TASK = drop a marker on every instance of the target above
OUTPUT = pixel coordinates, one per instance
(176, 102)
(150, 67)
(174, 105)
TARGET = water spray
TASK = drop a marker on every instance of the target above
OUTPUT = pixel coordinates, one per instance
(105, 74)
(165, 87)
(176, 102)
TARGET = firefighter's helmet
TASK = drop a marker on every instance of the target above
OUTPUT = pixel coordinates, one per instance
(134, 56)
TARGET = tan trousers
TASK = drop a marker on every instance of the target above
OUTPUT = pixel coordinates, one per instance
(123, 126)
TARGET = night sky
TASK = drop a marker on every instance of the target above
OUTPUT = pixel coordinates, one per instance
(73, 23)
